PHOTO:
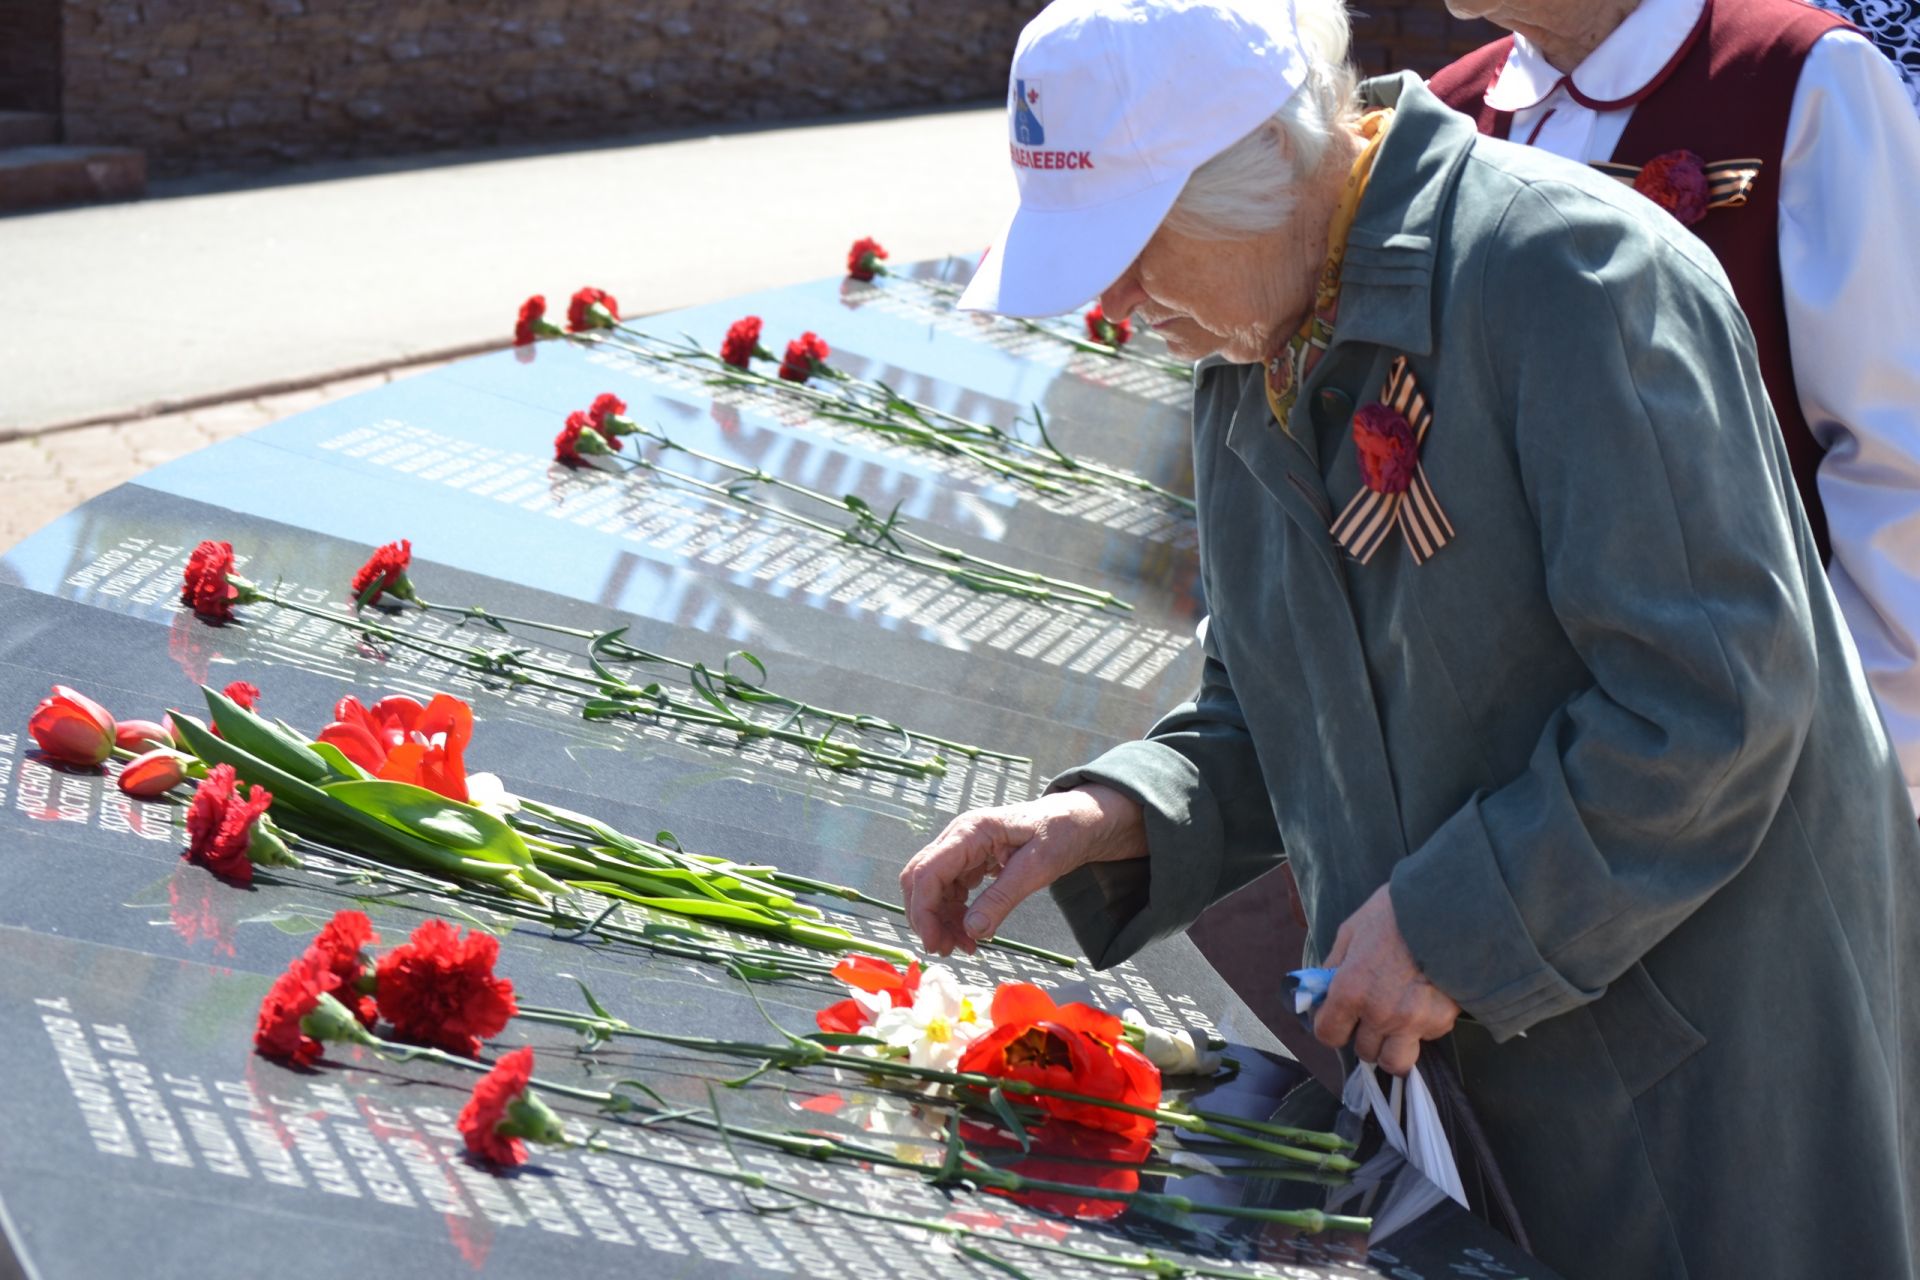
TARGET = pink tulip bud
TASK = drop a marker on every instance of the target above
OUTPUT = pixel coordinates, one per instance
(141, 735)
(72, 728)
(154, 774)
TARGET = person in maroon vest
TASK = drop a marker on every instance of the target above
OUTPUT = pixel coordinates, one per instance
(1785, 140)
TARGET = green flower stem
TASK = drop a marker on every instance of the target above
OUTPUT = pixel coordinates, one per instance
(875, 534)
(798, 1053)
(1171, 367)
(809, 885)
(996, 581)
(1148, 1264)
(771, 875)
(819, 1147)
(1303, 1137)
(1165, 364)
(880, 408)
(609, 647)
(1313, 1220)
(788, 921)
(679, 942)
(605, 694)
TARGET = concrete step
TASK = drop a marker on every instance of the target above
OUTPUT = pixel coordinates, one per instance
(37, 177)
(28, 128)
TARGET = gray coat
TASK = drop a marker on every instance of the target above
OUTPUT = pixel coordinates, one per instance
(1611, 747)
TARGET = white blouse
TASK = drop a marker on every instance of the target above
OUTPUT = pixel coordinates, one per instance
(1850, 263)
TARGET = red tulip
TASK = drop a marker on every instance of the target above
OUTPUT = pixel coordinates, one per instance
(154, 774)
(141, 735)
(72, 728)
(1074, 1048)
(401, 741)
(873, 976)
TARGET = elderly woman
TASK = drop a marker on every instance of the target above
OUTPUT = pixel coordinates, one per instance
(1520, 649)
(1786, 142)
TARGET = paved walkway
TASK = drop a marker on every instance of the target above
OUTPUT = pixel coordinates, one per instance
(139, 332)
(121, 310)
(45, 475)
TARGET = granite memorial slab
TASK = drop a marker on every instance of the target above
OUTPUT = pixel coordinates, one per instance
(146, 1137)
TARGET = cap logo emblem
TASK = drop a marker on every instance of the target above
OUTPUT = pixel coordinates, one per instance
(1027, 129)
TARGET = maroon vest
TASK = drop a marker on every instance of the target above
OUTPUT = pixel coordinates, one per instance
(1726, 95)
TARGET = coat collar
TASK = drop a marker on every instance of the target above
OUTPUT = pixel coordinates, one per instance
(1386, 289)
(1628, 65)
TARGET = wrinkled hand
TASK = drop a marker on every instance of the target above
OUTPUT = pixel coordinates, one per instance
(1024, 847)
(1380, 1000)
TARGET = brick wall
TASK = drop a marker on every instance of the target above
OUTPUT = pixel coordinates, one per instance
(210, 84)
(30, 55)
(240, 84)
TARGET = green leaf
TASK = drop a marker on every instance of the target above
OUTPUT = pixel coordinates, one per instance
(840, 1039)
(263, 739)
(586, 992)
(747, 658)
(337, 761)
(289, 792)
(313, 812)
(1009, 1117)
(708, 909)
(463, 829)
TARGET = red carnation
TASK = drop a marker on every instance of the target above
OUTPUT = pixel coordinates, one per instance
(243, 693)
(438, 988)
(342, 945)
(486, 1111)
(592, 308)
(1387, 448)
(607, 406)
(209, 585)
(294, 994)
(384, 573)
(1114, 333)
(1072, 1047)
(863, 259)
(221, 824)
(533, 322)
(742, 345)
(1677, 182)
(578, 441)
(806, 356)
(503, 1110)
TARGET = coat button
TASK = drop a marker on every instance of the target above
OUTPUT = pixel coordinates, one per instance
(1335, 403)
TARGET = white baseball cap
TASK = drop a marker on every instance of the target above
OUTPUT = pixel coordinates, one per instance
(1112, 104)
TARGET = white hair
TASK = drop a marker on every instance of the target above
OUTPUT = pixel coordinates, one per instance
(1248, 189)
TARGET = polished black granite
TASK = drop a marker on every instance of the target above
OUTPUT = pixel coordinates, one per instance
(144, 1137)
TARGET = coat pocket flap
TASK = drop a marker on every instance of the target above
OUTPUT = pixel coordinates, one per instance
(1645, 1035)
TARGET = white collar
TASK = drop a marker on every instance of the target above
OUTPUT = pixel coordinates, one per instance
(1634, 58)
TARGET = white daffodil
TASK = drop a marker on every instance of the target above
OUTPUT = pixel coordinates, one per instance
(872, 1005)
(1175, 1053)
(944, 1018)
(486, 791)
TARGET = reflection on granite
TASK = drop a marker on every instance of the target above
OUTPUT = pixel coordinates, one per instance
(145, 1138)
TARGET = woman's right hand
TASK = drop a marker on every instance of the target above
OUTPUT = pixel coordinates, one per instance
(1024, 848)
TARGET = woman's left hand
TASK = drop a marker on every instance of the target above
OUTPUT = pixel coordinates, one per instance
(1379, 999)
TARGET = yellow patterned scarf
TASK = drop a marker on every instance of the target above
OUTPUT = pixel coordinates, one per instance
(1287, 368)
